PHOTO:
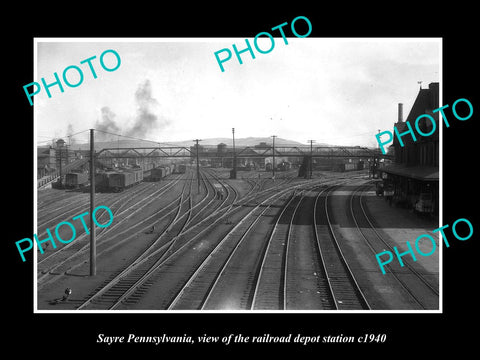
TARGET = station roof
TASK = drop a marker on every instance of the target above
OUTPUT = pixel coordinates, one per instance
(424, 173)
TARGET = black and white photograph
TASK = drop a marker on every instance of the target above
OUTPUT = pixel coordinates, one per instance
(260, 186)
(240, 180)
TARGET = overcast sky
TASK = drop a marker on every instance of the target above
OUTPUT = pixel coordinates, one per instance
(337, 91)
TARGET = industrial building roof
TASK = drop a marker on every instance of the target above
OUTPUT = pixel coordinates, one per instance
(425, 102)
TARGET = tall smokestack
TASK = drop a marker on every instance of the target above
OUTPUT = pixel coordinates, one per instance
(400, 112)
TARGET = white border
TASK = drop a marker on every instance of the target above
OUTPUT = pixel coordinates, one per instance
(439, 40)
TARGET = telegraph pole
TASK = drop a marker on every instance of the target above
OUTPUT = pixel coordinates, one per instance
(198, 166)
(93, 246)
(60, 151)
(273, 159)
(60, 143)
(311, 157)
(234, 156)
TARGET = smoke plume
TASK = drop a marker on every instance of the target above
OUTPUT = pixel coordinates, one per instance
(146, 120)
(107, 123)
(70, 132)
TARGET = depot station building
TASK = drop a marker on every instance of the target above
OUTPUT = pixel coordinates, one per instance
(414, 172)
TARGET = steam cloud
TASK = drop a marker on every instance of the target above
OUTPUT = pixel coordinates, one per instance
(107, 124)
(145, 120)
(70, 132)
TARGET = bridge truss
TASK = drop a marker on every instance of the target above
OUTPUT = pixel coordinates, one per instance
(205, 152)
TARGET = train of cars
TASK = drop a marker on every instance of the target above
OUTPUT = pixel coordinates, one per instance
(160, 172)
(116, 180)
(180, 168)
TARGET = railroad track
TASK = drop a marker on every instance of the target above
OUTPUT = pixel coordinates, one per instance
(118, 212)
(303, 267)
(201, 290)
(182, 249)
(231, 276)
(55, 198)
(377, 243)
(72, 254)
(131, 282)
(345, 289)
(115, 204)
(209, 202)
(142, 267)
(306, 286)
(268, 293)
(51, 215)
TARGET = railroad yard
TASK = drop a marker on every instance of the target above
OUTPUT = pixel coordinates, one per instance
(251, 243)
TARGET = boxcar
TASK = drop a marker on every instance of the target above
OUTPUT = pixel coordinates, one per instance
(181, 168)
(157, 173)
(101, 180)
(76, 180)
(118, 181)
(137, 175)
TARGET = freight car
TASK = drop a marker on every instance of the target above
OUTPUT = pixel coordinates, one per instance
(76, 180)
(160, 172)
(157, 174)
(180, 168)
(120, 180)
(101, 180)
(147, 166)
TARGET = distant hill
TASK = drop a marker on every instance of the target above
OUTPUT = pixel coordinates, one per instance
(249, 141)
